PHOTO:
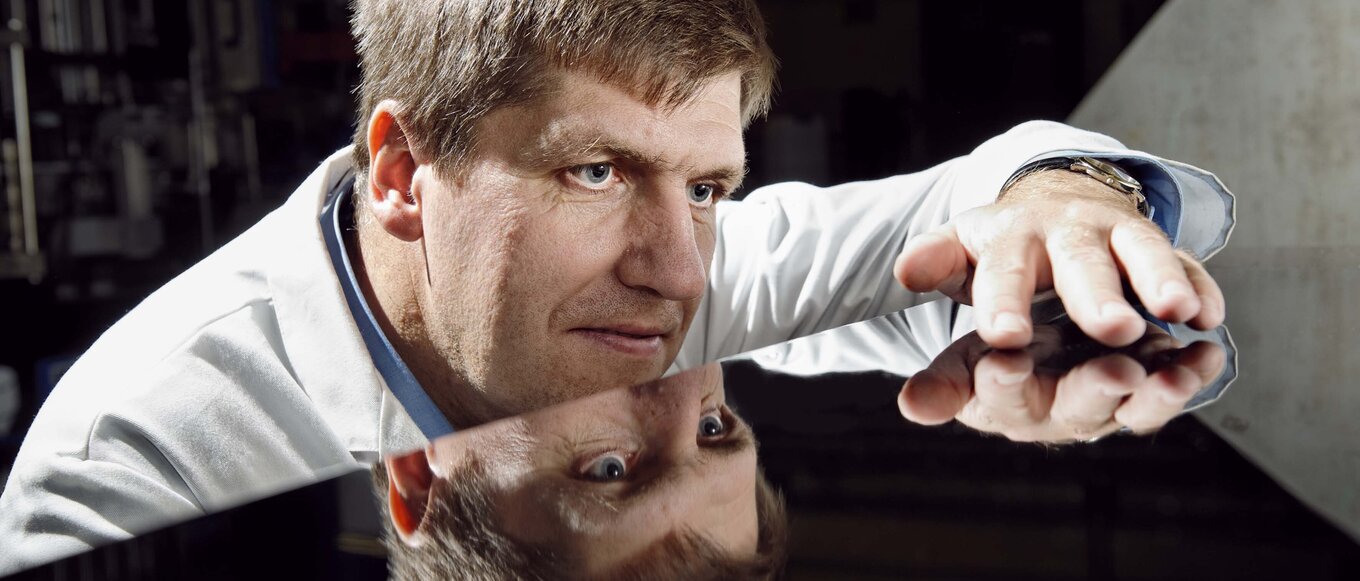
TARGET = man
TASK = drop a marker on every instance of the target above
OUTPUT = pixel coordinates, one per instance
(657, 481)
(535, 219)
(660, 481)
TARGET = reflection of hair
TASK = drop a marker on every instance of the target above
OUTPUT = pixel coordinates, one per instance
(461, 541)
(450, 62)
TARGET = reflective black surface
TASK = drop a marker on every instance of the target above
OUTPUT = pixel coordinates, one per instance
(663, 477)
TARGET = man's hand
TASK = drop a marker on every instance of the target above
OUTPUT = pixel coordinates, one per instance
(1056, 390)
(1066, 231)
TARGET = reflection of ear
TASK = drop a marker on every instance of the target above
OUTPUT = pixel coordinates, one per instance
(392, 166)
(408, 491)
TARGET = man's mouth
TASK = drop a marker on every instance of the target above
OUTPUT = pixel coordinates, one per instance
(634, 340)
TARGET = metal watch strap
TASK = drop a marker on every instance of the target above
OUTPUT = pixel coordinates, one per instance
(1104, 171)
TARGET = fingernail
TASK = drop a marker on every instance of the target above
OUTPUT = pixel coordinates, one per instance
(1008, 323)
(1175, 288)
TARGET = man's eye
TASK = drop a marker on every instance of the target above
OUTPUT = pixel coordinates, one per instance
(702, 193)
(711, 426)
(593, 174)
(607, 468)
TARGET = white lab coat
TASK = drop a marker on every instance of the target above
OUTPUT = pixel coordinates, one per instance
(246, 375)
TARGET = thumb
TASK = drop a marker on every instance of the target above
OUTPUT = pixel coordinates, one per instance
(940, 391)
(935, 261)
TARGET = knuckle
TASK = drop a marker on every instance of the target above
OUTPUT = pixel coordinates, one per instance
(1140, 235)
(1077, 234)
(1008, 215)
(1005, 267)
(1081, 425)
(1084, 211)
(1085, 255)
(1078, 245)
(1077, 241)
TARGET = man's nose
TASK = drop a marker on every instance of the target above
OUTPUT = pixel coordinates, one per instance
(671, 413)
(663, 255)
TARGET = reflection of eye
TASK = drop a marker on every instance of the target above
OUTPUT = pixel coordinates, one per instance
(711, 426)
(593, 175)
(607, 468)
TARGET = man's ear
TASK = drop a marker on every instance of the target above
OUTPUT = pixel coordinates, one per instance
(409, 479)
(392, 198)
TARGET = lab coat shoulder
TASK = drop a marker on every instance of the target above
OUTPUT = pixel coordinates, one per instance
(196, 401)
(796, 259)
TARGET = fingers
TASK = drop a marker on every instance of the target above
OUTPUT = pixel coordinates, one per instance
(1009, 398)
(934, 261)
(1153, 399)
(1211, 311)
(938, 393)
(1087, 279)
(1155, 271)
(1159, 399)
(1087, 397)
(1002, 392)
(931, 397)
(1003, 286)
(1206, 360)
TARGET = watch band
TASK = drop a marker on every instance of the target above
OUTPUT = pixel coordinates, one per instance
(1104, 171)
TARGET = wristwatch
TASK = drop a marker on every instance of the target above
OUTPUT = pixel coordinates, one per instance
(1108, 174)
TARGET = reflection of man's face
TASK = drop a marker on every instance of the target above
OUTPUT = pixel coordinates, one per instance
(573, 254)
(610, 476)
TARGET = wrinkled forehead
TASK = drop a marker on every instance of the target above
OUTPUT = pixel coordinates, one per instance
(580, 114)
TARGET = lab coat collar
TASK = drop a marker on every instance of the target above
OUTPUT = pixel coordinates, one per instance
(336, 215)
(319, 334)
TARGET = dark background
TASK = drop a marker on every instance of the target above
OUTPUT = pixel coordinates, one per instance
(229, 126)
(163, 128)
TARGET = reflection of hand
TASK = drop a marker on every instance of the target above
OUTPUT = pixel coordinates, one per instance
(1062, 230)
(1055, 391)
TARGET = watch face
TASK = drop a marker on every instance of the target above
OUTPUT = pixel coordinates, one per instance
(1115, 171)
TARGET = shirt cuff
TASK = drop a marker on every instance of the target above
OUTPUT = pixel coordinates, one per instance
(1159, 186)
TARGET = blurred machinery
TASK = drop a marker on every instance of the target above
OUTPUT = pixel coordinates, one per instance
(136, 136)
(131, 131)
(21, 256)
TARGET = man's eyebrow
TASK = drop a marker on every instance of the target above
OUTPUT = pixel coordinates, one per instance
(730, 177)
(555, 148)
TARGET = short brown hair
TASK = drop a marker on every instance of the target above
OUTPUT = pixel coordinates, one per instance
(448, 63)
(462, 541)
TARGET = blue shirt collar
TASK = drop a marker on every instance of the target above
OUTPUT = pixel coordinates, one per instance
(336, 215)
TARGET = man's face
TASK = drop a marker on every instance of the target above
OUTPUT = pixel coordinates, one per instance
(609, 476)
(573, 253)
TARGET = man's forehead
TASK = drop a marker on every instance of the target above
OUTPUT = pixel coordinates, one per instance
(583, 117)
(718, 96)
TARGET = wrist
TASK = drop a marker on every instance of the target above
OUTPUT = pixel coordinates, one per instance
(1055, 184)
(1108, 174)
